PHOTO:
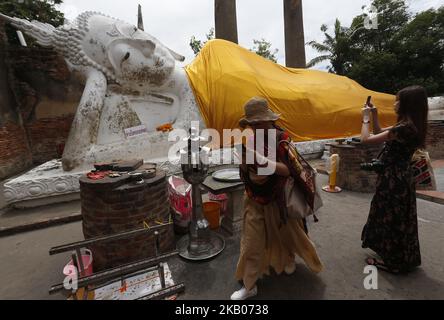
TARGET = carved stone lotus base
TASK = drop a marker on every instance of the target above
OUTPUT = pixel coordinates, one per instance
(48, 183)
(43, 185)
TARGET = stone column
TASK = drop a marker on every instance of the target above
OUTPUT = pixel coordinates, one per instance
(294, 34)
(225, 20)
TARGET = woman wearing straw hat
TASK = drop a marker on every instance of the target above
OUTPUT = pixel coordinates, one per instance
(268, 239)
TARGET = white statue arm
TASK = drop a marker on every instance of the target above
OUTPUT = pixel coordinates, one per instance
(84, 128)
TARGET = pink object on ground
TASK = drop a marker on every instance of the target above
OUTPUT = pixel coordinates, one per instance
(87, 260)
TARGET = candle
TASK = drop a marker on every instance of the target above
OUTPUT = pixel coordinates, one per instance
(334, 162)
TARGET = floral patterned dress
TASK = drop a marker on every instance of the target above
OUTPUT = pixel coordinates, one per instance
(392, 226)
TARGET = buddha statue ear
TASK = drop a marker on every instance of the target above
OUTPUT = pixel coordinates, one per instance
(120, 50)
(176, 56)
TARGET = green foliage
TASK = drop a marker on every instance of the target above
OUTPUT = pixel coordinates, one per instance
(335, 48)
(402, 51)
(197, 45)
(40, 10)
(392, 17)
(261, 47)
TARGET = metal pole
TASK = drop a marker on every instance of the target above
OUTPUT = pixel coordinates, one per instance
(164, 293)
(86, 243)
(162, 275)
(80, 260)
(74, 263)
(116, 272)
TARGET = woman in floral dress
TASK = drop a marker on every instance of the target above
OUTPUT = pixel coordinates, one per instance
(392, 226)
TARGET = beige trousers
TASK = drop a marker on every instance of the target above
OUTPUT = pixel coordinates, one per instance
(266, 243)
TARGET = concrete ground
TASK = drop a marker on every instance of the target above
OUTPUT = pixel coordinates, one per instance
(18, 220)
(27, 270)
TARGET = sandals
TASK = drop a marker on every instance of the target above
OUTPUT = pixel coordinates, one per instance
(380, 265)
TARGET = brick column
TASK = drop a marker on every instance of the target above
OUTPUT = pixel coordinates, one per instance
(294, 34)
(225, 20)
(110, 208)
(350, 175)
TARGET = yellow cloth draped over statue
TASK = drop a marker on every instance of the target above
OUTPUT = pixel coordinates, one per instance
(313, 104)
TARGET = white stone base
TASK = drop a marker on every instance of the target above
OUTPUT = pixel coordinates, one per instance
(42, 183)
(48, 183)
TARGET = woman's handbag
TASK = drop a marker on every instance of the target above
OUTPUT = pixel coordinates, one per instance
(296, 205)
(302, 196)
(423, 171)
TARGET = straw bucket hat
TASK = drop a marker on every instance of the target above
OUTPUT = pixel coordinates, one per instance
(257, 110)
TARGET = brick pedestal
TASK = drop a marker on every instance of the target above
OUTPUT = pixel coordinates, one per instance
(110, 206)
(350, 175)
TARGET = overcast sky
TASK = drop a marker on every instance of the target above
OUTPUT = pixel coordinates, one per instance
(173, 22)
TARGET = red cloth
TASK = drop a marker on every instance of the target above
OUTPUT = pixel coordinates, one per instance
(97, 175)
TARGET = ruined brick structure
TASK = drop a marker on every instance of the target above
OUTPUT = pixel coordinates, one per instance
(350, 176)
(112, 206)
(43, 96)
(435, 139)
(15, 154)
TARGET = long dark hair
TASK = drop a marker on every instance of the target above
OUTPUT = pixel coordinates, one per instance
(414, 108)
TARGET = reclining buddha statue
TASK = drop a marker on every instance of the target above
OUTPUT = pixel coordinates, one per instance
(133, 84)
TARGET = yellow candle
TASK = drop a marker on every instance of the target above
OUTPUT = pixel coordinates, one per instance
(334, 159)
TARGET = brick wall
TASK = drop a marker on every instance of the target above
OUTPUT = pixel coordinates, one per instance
(435, 140)
(112, 208)
(350, 175)
(45, 97)
(15, 155)
(47, 137)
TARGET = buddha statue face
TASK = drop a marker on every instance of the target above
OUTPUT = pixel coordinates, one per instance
(128, 55)
(139, 58)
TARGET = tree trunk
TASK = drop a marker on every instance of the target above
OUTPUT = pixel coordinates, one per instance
(294, 34)
(225, 20)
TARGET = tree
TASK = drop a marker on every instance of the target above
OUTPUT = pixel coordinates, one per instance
(403, 50)
(421, 51)
(335, 48)
(197, 45)
(392, 17)
(261, 47)
(42, 10)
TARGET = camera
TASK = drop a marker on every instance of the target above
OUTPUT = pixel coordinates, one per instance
(374, 166)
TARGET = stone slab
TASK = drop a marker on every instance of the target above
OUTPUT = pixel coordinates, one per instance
(14, 221)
